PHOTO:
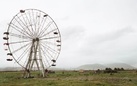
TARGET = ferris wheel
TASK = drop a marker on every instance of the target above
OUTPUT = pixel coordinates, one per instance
(33, 40)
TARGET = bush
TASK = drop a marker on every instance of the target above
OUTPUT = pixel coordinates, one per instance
(109, 70)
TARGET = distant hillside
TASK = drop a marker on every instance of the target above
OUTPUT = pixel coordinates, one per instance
(11, 69)
(92, 67)
(19, 69)
(100, 66)
(84, 67)
(120, 65)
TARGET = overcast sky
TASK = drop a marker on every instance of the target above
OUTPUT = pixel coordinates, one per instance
(92, 31)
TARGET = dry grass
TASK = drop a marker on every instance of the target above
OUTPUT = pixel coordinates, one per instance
(71, 78)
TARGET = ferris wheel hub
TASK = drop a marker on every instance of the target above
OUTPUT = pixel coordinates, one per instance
(35, 39)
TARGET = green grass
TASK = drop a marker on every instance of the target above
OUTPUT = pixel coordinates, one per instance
(70, 78)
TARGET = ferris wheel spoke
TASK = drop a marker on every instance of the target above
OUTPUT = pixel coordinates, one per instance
(18, 29)
(25, 20)
(22, 22)
(22, 25)
(18, 36)
(50, 43)
(48, 53)
(47, 63)
(38, 23)
(29, 20)
(23, 54)
(21, 48)
(25, 62)
(50, 38)
(45, 28)
(35, 22)
(41, 25)
(49, 48)
(31, 16)
(19, 42)
(45, 56)
(48, 33)
(48, 58)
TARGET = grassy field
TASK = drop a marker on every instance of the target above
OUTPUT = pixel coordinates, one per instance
(71, 78)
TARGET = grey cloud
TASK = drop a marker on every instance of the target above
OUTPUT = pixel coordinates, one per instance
(113, 45)
(72, 39)
(114, 35)
(73, 32)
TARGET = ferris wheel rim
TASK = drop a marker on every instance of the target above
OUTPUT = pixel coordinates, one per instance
(10, 26)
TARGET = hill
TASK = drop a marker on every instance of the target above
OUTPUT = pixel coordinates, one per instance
(92, 67)
(100, 66)
(20, 68)
(120, 65)
(84, 67)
